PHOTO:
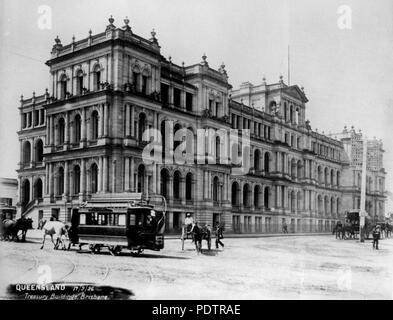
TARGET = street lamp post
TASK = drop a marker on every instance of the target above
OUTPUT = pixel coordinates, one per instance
(363, 212)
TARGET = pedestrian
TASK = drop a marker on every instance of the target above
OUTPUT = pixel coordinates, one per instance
(376, 237)
(219, 235)
(284, 227)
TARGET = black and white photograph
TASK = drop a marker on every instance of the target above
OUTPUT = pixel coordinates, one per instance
(196, 150)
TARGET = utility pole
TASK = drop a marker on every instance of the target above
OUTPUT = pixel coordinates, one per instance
(363, 212)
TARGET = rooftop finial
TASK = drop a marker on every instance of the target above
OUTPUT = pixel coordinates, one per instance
(73, 38)
(126, 22)
(153, 36)
(111, 20)
(33, 94)
(264, 80)
(281, 77)
(170, 59)
(57, 40)
(90, 32)
(204, 57)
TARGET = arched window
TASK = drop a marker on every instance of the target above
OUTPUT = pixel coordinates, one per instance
(77, 128)
(94, 125)
(320, 207)
(164, 181)
(94, 178)
(272, 107)
(215, 189)
(141, 178)
(61, 130)
(25, 192)
(39, 149)
(299, 169)
(338, 178)
(97, 78)
(235, 194)
(257, 160)
(326, 179)
(319, 174)
(246, 194)
(176, 185)
(189, 186)
(38, 189)
(257, 191)
(141, 126)
(266, 199)
(26, 152)
(293, 200)
(299, 201)
(176, 128)
(267, 162)
(293, 168)
(79, 82)
(60, 181)
(331, 205)
(63, 87)
(77, 180)
(332, 177)
(326, 209)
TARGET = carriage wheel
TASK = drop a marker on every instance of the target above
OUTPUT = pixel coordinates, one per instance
(114, 250)
(94, 248)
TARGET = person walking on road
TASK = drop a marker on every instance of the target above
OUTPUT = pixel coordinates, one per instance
(219, 235)
(376, 237)
(284, 227)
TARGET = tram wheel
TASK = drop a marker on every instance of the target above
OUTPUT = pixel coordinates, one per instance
(115, 250)
(94, 248)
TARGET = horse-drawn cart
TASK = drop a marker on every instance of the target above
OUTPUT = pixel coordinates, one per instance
(197, 234)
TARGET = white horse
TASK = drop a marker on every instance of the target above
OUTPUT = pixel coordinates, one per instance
(56, 228)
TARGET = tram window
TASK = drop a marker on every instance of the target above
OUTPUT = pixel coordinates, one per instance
(132, 220)
(121, 219)
(82, 218)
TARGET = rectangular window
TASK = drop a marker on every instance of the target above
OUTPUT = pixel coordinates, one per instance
(144, 84)
(217, 109)
(176, 97)
(135, 76)
(29, 119)
(211, 106)
(24, 120)
(36, 117)
(189, 101)
(164, 93)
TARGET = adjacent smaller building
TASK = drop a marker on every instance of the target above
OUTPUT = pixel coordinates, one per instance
(8, 198)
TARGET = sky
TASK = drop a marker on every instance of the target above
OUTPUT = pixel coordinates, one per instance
(347, 74)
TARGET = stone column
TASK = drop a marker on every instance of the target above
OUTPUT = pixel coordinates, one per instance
(183, 190)
(132, 170)
(126, 174)
(101, 121)
(100, 175)
(106, 119)
(83, 133)
(66, 181)
(132, 122)
(72, 187)
(127, 119)
(82, 187)
(52, 131)
(67, 129)
(105, 174)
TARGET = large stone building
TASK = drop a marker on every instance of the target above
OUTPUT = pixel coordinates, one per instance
(85, 136)
(352, 174)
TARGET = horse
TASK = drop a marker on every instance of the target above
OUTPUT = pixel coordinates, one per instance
(51, 228)
(338, 230)
(199, 234)
(348, 231)
(10, 228)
